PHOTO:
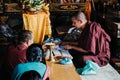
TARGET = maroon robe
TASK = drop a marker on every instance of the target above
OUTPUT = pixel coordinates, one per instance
(14, 56)
(96, 41)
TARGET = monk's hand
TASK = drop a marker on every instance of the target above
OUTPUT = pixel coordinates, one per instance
(68, 47)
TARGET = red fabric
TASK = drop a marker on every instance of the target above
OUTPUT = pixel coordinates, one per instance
(14, 56)
(47, 74)
(96, 41)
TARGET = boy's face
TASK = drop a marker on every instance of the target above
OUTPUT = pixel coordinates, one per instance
(76, 23)
(31, 40)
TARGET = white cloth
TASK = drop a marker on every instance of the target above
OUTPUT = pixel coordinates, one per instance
(104, 73)
(71, 29)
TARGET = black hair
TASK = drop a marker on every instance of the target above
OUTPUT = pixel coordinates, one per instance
(25, 35)
(34, 53)
(30, 75)
(75, 14)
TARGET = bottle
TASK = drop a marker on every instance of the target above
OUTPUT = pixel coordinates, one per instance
(51, 47)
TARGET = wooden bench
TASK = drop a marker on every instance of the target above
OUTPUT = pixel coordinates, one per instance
(62, 72)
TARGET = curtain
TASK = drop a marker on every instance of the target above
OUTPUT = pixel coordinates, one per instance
(39, 24)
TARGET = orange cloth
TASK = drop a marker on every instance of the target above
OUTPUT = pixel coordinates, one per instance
(88, 9)
(39, 24)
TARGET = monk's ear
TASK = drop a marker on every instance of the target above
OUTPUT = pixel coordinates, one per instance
(28, 42)
(80, 21)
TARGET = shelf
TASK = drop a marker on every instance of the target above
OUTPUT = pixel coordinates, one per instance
(67, 7)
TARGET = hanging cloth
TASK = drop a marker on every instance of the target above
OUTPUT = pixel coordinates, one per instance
(88, 9)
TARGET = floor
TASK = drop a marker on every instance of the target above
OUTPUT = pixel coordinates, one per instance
(104, 73)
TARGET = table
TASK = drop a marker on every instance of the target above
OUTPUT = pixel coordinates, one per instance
(39, 24)
(62, 72)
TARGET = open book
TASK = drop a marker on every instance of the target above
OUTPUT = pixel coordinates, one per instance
(59, 51)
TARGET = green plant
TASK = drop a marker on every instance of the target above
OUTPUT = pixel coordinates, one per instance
(34, 5)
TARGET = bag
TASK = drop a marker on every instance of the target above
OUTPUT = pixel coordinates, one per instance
(73, 36)
(6, 31)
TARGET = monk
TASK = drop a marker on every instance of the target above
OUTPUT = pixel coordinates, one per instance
(93, 43)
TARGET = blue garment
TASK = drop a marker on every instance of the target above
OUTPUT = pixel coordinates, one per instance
(90, 68)
(65, 61)
(24, 67)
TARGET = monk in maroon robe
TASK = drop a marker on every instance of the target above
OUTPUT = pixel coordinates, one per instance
(93, 44)
(16, 53)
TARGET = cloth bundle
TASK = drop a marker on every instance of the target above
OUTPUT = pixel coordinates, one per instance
(90, 68)
(65, 61)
